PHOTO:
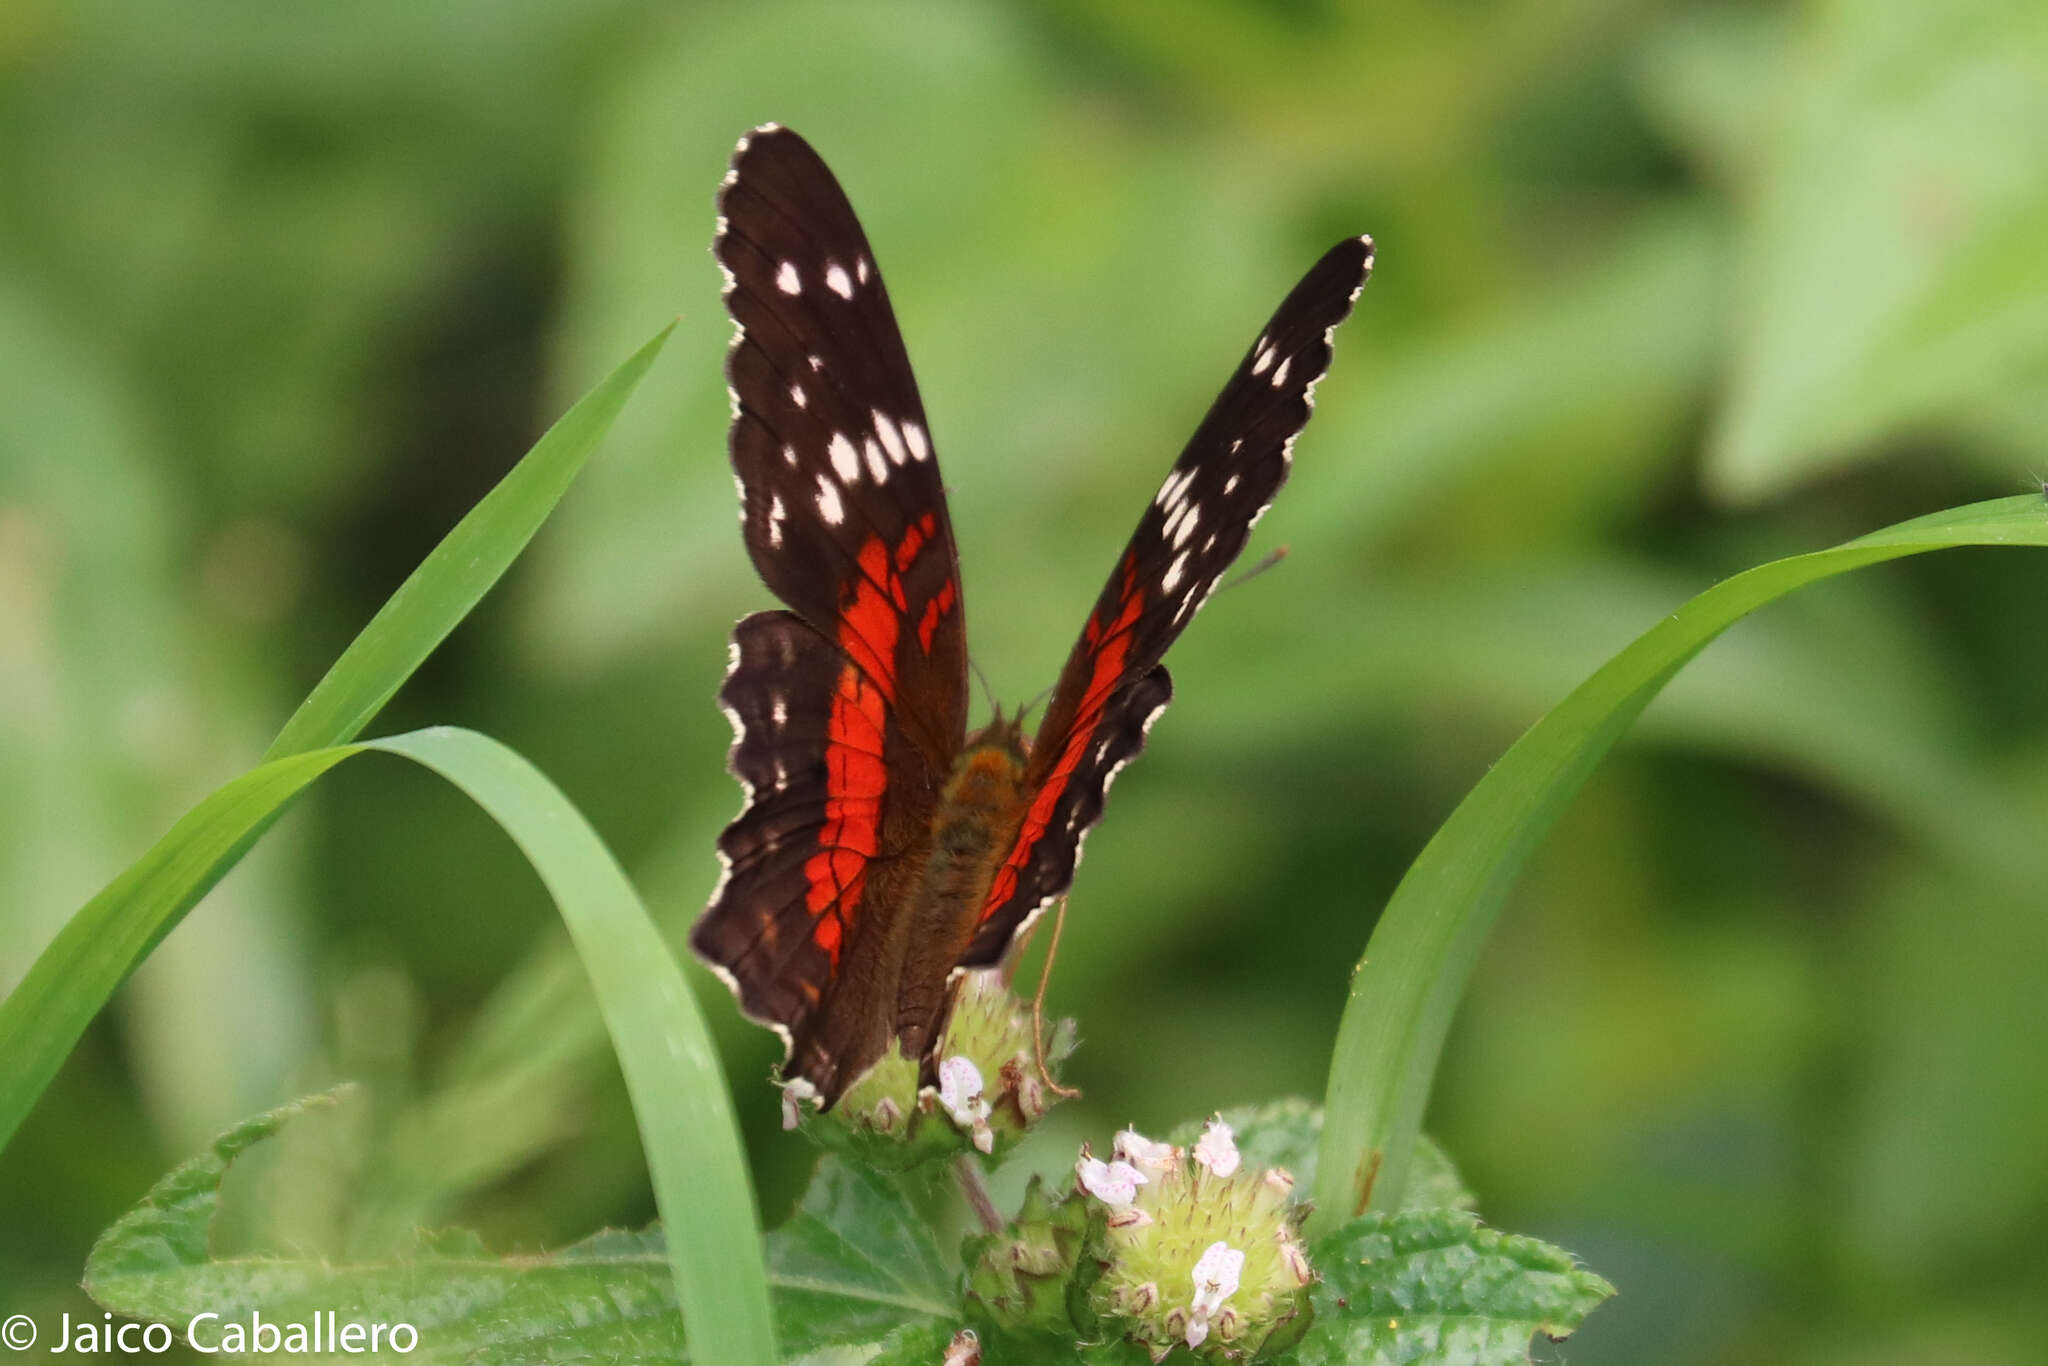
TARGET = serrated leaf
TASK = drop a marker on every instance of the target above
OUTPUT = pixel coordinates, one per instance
(855, 1264)
(1438, 1288)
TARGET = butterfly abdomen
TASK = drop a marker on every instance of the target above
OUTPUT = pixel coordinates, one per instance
(975, 823)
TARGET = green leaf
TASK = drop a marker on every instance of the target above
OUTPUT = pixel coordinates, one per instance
(680, 1100)
(44, 1016)
(855, 1264)
(1406, 988)
(1436, 1288)
(919, 1344)
(856, 1261)
(608, 1298)
(456, 574)
(672, 1075)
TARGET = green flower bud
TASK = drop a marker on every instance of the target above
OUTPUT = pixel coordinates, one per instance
(1196, 1250)
(1022, 1278)
(989, 1089)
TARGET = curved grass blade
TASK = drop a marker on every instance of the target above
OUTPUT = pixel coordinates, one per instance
(1406, 988)
(678, 1090)
(680, 1099)
(456, 574)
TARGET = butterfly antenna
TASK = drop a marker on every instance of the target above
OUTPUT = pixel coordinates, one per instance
(1273, 557)
(1026, 709)
(988, 694)
(1059, 922)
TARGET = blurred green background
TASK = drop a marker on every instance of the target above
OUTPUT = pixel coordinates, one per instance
(1663, 290)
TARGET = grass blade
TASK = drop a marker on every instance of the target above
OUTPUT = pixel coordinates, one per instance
(456, 574)
(1406, 988)
(664, 1046)
(44, 1016)
(680, 1099)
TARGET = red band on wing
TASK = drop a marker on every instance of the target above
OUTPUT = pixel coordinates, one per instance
(856, 769)
(1111, 644)
(913, 541)
(856, 763)
(935, 612)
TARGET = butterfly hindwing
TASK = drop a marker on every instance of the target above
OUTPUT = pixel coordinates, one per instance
(763, 932)
(849, 709)
(1112, 685)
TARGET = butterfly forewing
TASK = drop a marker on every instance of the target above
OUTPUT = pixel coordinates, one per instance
(849, 710)
(829, 441)
(1112, 685)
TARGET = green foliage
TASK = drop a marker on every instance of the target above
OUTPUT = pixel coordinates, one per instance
(856, 1267)
(1435, 1286)
(853, 1264)
(662, 1042)
(1409, 983)
(1663, 294)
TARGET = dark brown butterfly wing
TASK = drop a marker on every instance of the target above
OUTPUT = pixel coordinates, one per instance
(1113, 685)
(850, 709)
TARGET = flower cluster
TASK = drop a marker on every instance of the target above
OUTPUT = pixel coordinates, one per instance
(989, 1089)
(1196, 1250)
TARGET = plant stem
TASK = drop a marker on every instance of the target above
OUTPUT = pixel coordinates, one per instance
(976, 1191)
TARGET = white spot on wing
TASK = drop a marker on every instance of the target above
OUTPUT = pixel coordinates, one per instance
(789, 455)
(878, 464)
(780, 711)
(913, 437)
(845, 458)
(787, 280)
(776, 513)
(829, 506)
(1173, 572)
(861, 267)
(817, 362)
(838, 281)
(1190, 514)
(798, 396)
(1262, 358)
(892, 439)
(1230, 484)
(1280, 374)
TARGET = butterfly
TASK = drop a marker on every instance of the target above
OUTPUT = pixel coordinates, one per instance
(882, 851)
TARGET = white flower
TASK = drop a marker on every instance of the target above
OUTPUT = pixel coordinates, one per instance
(960, 1094)
(1216, 1276)
(1217, 1149)
(1141, 1151)
(1113, 1183)
(793, 1095)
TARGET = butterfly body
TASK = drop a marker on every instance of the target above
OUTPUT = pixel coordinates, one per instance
(882, 851)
